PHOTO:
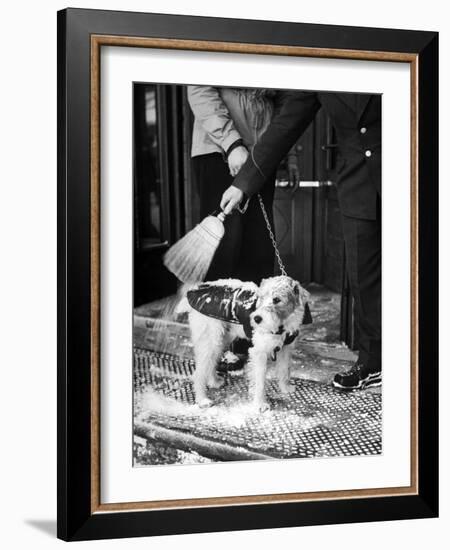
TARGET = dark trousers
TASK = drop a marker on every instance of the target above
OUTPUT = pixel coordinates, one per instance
(363, 254)
(245, 251)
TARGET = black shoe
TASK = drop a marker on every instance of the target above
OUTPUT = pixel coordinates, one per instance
(239, 349)
(358, 377)
(231, 366)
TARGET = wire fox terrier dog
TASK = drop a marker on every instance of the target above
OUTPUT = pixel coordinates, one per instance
(269, 316)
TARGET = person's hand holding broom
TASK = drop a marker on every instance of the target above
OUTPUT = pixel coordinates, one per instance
(189, 258)
(231, 199)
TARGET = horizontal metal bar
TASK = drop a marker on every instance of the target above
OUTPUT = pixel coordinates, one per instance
(316, 183)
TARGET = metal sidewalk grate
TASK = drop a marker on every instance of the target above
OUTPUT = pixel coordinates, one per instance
(314, 421)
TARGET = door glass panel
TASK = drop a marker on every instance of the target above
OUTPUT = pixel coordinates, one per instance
(148, 166)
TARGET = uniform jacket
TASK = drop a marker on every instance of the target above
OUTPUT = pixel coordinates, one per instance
(225, 115)
(357, 121)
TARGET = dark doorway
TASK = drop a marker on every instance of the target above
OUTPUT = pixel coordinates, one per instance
(158, 186)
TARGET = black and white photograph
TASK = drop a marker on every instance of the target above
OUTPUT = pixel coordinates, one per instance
(223, 285)
(256, 274)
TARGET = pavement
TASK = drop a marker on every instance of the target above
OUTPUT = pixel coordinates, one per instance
(316, 421)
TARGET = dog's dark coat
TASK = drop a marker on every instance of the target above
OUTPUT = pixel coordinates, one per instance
(231, 304)
(226, 303)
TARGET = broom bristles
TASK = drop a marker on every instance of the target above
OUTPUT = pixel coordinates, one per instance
(189, 258)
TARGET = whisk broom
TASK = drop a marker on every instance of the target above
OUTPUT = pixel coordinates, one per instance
(190, 257)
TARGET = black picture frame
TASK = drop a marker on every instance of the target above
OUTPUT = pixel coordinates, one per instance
(76, 518)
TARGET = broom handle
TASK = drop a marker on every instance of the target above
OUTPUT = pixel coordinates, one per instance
(219, 214)
(241, 209)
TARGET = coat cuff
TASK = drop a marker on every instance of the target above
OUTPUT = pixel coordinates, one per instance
(249, 179)
(238, 143)
(228, 140)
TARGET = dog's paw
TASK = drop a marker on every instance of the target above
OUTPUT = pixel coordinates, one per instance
(205, 403)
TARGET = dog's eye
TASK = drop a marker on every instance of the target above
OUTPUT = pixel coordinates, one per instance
(276, 300)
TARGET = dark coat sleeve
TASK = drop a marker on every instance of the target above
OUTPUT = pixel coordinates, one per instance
(294, 111)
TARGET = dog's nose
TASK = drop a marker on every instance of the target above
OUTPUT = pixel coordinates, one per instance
(257, 319)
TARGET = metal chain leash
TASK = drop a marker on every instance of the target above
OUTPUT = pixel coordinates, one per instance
(272, 236)
(263, 209)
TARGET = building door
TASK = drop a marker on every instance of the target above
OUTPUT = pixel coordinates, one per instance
(307, 216)
(158, 172)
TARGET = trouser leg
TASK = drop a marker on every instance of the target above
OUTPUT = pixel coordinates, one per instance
(212, 178)
(363, 255)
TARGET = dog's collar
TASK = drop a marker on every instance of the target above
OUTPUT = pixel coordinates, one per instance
(289, 338)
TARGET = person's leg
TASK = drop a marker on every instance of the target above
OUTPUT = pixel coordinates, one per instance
(256, 259)
(363, 255)
(212, 178)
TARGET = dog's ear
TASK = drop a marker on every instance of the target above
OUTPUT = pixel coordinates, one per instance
(297, 293)
(263, 283)
(305, 294)
(301, 293)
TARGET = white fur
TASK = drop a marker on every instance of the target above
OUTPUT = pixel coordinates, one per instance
(211, 337)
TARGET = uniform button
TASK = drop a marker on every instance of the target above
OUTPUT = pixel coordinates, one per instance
(363, 130)
(368, 153)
